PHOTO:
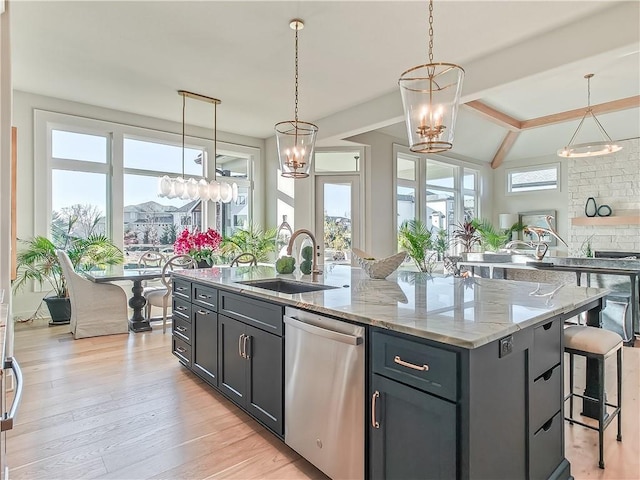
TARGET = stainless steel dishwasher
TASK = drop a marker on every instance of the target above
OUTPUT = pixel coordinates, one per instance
(324, 392)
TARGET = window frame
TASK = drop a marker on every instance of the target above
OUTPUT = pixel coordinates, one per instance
(533, 168)
(420, 183)
(46, 121)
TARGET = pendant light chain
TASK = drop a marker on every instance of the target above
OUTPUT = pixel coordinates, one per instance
(184, 102)
(296, 77)
(589, 91)
(430, 31)
(215, 140)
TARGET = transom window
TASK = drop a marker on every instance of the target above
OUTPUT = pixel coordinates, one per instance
(541, 177)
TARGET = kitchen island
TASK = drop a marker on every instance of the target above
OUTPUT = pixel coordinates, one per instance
(464, 376)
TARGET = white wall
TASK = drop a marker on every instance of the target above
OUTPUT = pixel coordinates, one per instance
(23, 115)
(557, 200)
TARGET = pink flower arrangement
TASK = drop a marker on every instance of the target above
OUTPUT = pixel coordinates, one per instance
(199, 245)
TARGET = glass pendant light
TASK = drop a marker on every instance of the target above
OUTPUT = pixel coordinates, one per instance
(431, 97)
(295, 139)
(591, 149)
(192, 189)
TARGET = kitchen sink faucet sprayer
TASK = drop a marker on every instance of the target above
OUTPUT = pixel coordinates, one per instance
(314, 269)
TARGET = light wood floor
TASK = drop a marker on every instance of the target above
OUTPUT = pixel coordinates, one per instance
(121, 407)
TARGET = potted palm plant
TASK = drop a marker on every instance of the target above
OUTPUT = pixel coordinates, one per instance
(38, 262)
(250, 239)
(417, 240)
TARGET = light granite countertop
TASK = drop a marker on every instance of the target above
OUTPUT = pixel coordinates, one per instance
(465, 312)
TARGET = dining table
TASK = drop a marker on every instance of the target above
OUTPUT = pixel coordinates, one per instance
(137, 322)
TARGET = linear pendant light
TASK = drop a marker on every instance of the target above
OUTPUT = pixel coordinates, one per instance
(295, 139)
(592, 149)
(193, 189)
(431, 97)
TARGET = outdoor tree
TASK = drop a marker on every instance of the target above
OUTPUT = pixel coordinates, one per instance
(77, 220)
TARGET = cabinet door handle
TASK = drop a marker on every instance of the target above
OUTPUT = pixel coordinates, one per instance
(399, 361)
(7, 418)
(244, 346)
(180, 350)
(181, 308)
(181, 329)
(202, 312)
(374, 397)
(240, 345)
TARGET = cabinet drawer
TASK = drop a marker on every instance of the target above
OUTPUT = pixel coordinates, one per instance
(181, 289)
(546, 448)
(181, 309)
(428, 368)
(205, 296)
(547, 346)
(182, 350)
(264, 315)
(546, 397)
(182, 329)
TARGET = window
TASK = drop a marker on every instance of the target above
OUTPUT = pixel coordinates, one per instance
(543, 177)
(436, 190)
(106, 175)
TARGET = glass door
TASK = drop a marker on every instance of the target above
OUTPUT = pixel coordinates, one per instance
(337, 217)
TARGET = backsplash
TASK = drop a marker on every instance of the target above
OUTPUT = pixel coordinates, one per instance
(612, 180)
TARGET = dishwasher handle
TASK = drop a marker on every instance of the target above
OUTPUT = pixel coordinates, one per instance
(323, 332)
(6, 423)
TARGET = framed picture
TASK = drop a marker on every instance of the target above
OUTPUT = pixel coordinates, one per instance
(539, 219)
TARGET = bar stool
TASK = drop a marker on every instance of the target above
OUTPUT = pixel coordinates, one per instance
(598, 344)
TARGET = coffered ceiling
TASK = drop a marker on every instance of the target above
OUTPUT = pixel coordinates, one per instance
(524, 58)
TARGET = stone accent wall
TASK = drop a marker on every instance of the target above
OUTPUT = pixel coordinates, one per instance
(613, 180)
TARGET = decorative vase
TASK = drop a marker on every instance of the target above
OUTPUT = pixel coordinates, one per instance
(591, 208)
(604, 211)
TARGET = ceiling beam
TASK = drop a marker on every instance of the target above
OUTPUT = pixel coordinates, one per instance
(504, 149)
(495, 116)
(607, 107)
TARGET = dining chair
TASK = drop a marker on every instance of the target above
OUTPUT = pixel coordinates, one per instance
(96, 308)
(160, 297)
(150, 259)
(244, 259)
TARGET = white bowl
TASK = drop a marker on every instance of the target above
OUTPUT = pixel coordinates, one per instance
(380, 267)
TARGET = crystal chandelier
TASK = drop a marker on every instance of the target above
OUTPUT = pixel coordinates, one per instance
(295, 139)
(193, 189)
(591, 149)
(430, 97)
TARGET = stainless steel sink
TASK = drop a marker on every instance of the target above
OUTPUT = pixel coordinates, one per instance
(286, 286)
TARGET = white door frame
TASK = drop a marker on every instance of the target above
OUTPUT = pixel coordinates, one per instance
(354, 180)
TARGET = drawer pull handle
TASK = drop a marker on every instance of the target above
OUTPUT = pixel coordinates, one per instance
(547, 375)
(180, 350)
(399, 361)
(180, 289)
(203, 312)
(181, 329)
(374, 421)
(181, 308)
(547, 326)
(547, 425)
(201, 295)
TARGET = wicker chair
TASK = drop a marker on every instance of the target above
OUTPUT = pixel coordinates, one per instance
(244, 259)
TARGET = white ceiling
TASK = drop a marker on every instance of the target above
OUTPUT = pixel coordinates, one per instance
(133, 56)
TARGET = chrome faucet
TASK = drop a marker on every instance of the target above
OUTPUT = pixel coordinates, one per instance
(314, 268)
(539, 248)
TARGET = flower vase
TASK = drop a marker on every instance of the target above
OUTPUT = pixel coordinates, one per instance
(203, 264)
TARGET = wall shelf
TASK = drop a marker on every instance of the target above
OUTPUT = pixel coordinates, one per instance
(629, 218)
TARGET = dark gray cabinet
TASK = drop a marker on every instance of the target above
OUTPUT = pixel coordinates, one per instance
(204, 354)
(438, 411)
(234, 343)
(413, 434)
(251, 370)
